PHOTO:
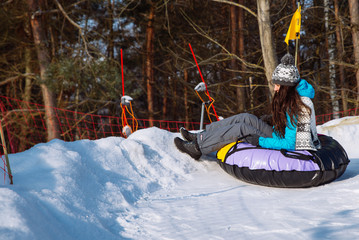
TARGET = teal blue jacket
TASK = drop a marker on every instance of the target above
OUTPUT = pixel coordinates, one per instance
(288, 142)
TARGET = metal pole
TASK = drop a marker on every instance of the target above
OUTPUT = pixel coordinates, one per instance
(296, 50)
(296, 42)
(202, 114)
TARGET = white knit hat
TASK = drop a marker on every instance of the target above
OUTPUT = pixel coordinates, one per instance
(286, 73)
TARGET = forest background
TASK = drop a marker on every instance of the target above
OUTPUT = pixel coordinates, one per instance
(66, 54)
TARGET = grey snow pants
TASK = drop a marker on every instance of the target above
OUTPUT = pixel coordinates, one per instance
(218, 134)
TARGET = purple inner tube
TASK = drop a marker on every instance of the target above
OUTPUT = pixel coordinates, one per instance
(268, 159)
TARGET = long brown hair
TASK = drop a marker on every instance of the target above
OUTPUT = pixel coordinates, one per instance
(286, 100)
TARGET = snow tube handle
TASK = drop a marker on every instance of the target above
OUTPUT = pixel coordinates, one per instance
(296, 155)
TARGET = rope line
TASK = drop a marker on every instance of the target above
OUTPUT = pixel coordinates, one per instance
(127, 129)
(207, 107)
(200, 73)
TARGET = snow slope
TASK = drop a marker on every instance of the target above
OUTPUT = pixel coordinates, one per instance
(143, 188)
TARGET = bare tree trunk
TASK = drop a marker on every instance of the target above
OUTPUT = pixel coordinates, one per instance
(234, 43)
(294, 3)
(265, 33)
(44, 61)
(241, 92)
(186, 106)
(150, 81)
(295, 7)
(27, 90)
(331, 55)
(234, 29)
(340, 48)
(110, 49)
(28, 70)
(175, 97)
(354, 18)
(165, 98)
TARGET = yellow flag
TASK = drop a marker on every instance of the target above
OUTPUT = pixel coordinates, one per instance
(294, 26)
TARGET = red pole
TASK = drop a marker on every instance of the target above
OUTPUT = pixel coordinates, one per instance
(200, 73)
(123, 91)
(123, 84)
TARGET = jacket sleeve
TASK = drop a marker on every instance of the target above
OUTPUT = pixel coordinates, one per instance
(276, 142)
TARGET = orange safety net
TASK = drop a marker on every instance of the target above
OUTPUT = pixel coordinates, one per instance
(24, 124)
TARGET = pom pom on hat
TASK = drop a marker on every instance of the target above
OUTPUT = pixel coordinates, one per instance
(287, 59)
(286, 73)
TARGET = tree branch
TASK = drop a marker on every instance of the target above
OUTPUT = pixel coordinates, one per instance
(204, 34)
(75, 25)
(237, 5)
(10, 79)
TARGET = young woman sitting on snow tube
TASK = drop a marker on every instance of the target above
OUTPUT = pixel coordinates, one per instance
(289, 154)
(293, 116)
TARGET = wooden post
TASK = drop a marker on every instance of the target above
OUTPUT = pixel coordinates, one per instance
(5, 153)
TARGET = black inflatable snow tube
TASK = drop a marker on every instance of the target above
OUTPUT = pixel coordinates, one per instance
(331, 161)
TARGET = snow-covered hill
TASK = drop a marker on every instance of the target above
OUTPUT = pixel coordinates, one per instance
(143, 188)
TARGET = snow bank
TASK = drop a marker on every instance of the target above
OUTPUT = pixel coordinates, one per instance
(346, 131)
(143, 188)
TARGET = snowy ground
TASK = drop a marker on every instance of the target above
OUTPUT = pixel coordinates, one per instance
(143, 188)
